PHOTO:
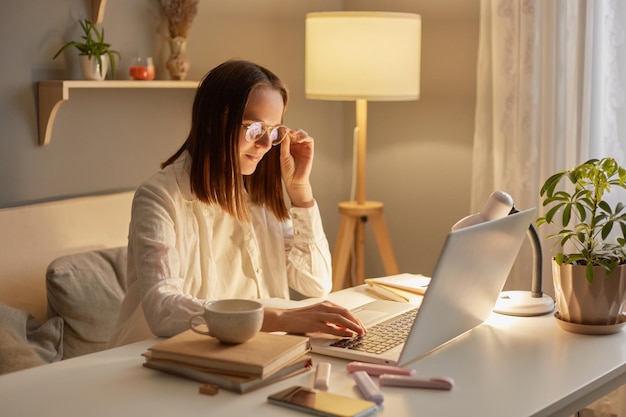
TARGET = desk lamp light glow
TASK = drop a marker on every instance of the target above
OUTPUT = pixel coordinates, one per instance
(362, 56)
(515, 303)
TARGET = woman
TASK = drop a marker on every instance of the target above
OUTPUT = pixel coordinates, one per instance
(213, 223)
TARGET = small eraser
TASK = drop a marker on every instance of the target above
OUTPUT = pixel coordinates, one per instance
(322, 376)
(377, 369)
(368, 388)
(444, 383)
(208, 389)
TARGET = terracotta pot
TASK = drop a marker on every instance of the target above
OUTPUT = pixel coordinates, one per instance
(598, 303)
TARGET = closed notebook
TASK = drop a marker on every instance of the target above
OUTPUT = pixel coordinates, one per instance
(394, 294)
(412, 283)
(260, 356)
(239, 384)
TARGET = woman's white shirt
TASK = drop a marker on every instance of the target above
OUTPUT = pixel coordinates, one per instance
(182, 252)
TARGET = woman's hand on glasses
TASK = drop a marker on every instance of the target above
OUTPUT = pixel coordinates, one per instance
(296, 161)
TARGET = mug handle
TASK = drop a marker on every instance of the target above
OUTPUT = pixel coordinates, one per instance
(193, 324)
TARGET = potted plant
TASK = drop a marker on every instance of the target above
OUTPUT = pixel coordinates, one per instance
(588, 270)
(94, 52)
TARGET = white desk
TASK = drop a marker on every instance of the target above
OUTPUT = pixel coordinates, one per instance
(509, 366)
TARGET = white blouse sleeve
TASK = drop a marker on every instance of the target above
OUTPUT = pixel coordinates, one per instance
(309, 267)
(155, 262)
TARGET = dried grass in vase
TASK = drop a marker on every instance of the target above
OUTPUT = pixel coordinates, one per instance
(179, 15)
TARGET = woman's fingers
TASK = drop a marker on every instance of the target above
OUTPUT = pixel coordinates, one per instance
(334, 319)
(325, 317)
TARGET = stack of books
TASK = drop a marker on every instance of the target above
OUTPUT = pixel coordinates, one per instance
(263, 360)
(407, 288)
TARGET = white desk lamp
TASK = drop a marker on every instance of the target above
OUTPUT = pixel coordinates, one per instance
(514, 303)
(362, 56)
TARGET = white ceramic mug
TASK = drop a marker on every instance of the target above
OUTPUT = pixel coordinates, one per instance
(230, 321)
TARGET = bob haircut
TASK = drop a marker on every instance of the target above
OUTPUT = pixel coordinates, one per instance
(213, 142)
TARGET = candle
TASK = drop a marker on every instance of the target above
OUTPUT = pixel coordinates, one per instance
(142, 68)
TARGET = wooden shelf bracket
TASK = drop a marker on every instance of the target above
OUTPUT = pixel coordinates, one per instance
(51, 97)
(97, 11)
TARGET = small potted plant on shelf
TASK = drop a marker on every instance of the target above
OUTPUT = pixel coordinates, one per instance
(95, 54)
(589, 269)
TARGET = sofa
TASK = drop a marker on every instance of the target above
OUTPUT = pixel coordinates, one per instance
(62, 277)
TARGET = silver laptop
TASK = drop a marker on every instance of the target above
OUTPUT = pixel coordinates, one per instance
(470, 273)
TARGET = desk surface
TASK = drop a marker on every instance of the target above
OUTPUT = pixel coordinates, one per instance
(508, 366)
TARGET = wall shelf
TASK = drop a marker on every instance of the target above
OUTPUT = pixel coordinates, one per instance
(52, 94)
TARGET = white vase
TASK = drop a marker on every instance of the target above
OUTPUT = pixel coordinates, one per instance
(91, 68)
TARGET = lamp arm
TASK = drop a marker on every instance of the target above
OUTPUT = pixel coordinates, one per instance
(535, 244)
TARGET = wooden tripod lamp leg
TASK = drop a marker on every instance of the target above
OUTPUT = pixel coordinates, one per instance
(384, 244)
(351, 233)
(342, 252)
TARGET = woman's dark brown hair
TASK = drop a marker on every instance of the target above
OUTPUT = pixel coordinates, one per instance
(213, 142)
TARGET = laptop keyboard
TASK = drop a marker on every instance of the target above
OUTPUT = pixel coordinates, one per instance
(382, 336)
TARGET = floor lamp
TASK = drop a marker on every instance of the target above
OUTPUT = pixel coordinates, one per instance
(362, 56)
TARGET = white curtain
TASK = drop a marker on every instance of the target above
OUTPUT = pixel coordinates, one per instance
(551, 94)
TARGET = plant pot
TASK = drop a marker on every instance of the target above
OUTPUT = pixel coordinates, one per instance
(600, 303)
(91, 68)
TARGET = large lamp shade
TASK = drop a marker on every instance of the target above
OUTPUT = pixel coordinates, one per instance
(363, 55)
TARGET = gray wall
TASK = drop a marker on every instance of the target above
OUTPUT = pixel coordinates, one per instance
(419, 153)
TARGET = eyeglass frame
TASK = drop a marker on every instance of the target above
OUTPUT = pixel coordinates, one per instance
(265, 130)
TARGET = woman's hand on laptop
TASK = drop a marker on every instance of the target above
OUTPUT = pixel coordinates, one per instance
(325, 317)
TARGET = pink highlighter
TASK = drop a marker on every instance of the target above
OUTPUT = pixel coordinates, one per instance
(376, 369)
(368, 388)
(443, 383)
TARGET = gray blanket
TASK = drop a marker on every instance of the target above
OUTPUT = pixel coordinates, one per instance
(25, 343)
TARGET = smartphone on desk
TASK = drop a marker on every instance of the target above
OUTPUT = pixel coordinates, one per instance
(322, 403)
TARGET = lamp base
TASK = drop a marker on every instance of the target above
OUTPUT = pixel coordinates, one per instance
(521, 303)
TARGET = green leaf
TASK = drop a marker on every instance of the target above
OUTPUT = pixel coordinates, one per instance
(582, 213)
(567, 214)
(604, 206)
(606, 230)
(550, 184)
(552, 212)
(589, 273)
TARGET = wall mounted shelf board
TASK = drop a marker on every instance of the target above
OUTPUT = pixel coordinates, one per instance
(53, 93)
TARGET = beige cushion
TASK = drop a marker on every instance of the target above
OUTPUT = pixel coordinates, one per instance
(25, 343)
(86, 290)
(37, 234)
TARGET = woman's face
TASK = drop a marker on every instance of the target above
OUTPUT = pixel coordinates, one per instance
(264, 105)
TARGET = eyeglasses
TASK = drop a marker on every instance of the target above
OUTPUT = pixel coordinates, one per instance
(256, 130)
